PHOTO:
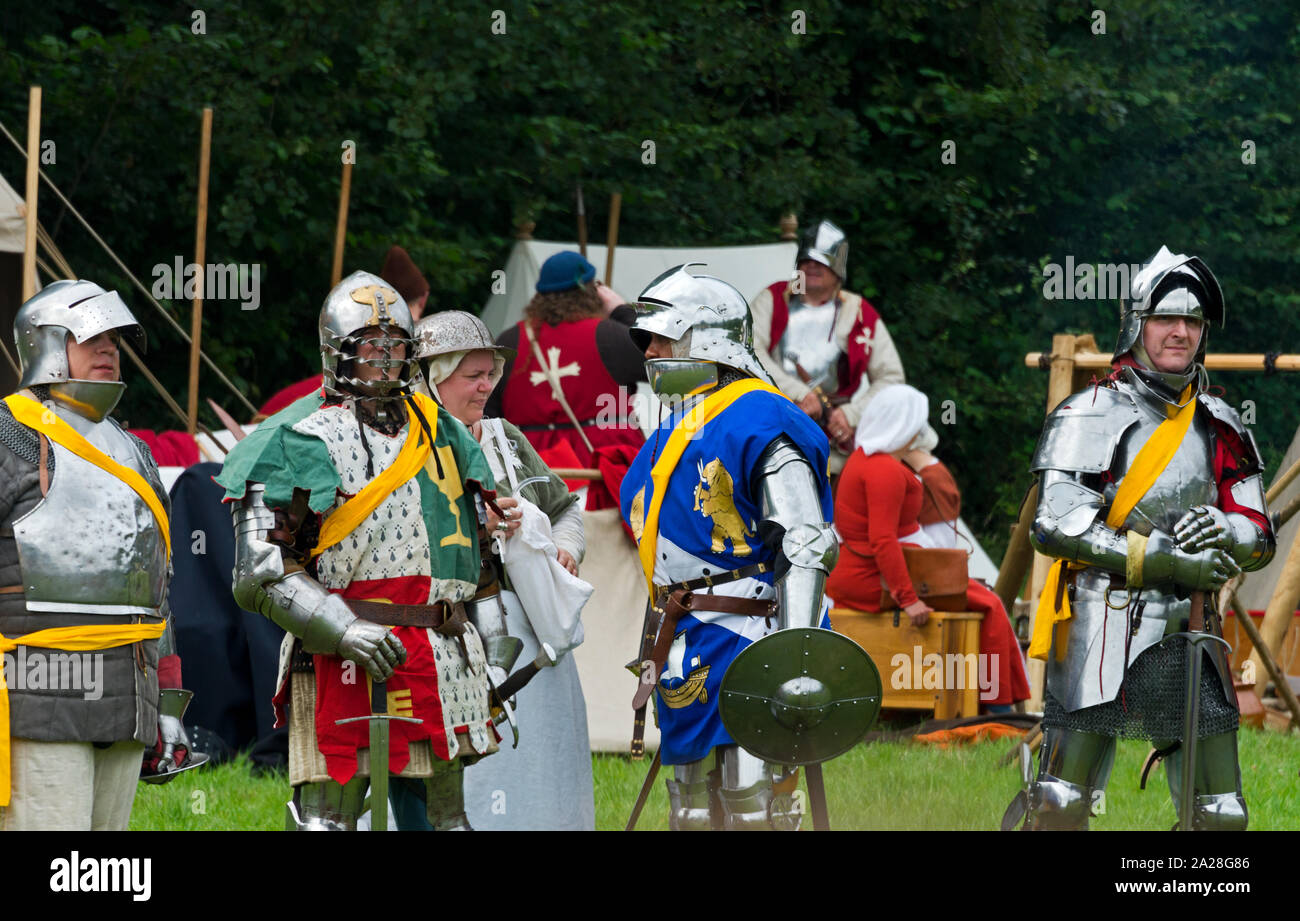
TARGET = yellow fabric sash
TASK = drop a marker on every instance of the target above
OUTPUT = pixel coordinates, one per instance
(35, 416)
(410, 459)
(1150, 462)
(699, 416)
(69, 639)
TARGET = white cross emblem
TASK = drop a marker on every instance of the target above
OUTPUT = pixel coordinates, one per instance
(866, 339)
(553, 358)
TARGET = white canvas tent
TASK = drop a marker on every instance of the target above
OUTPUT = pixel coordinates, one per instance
(11, 219)
(748, 268)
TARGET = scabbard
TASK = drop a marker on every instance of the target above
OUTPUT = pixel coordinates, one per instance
(378, 758)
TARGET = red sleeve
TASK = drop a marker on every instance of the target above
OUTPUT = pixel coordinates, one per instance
(1234, 461)
(169, 672)
(886, 482)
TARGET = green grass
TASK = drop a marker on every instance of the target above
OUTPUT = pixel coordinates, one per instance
(882, 786)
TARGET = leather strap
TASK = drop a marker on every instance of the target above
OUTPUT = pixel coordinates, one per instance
(673, 605)
(556, 390)
(447, 618)
(44, 466)
(11, 590)
(1196, 620)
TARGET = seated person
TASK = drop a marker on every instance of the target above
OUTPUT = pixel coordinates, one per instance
(876, 513)
(941, 497)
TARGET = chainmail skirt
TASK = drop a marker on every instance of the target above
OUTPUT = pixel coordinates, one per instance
(1152, 700)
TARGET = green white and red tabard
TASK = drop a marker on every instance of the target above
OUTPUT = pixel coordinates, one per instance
(419, 545)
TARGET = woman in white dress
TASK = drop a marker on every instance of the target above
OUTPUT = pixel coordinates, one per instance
(544, 784)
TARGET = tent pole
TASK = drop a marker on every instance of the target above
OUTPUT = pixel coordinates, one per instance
(33, 186)
(200, 256)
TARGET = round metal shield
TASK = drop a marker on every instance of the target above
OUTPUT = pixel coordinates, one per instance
(800, 696)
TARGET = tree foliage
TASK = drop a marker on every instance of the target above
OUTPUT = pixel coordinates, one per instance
(1065, 141)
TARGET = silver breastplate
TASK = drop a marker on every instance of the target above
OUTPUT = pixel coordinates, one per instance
(1188, 480)
(808, 344)
(91, 545)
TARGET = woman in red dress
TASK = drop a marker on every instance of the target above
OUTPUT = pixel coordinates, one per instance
(876, 512)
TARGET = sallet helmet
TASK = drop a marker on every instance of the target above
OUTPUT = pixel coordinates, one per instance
(710, 326)
(826, 244)
(83, 310)
(1170, 285)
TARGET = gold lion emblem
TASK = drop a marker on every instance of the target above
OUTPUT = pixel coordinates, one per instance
(636, 515)
(713, 500)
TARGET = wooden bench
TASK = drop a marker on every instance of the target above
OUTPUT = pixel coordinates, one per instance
(954, 637)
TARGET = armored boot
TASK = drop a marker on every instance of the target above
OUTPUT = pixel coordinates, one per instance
(445, 797)
(326, 806)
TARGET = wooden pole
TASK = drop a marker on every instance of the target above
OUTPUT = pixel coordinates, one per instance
(611, 241)
(1020, 554)
(341, 230)
(1281, 606)
(1059, 386)
(1270, 664)
(200, 259)
(582, 224)
(1223, 361)
(1281, 483)
(33, 180)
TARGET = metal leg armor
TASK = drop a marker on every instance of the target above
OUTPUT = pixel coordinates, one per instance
(749, 801)
(326, 806)
(1071, 766)
(690, 796)
(1219, 805)
(445, 797)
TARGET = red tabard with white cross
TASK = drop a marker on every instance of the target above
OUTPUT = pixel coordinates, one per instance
(600, 404)
(853, 363)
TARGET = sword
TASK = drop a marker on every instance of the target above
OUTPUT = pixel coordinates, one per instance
(1191, 723)
(514, 684)
(379, 720)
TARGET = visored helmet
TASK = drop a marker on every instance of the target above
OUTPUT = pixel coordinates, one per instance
(82, 310)
(1170, 285)
(709, 324)
(359, 303)
(826, 244)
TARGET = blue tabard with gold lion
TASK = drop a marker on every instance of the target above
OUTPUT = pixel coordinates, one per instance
(707, 526)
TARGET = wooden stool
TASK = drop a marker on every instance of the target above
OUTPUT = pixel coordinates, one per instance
(900, 654)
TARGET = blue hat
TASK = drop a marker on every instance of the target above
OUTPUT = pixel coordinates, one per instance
(564, 271)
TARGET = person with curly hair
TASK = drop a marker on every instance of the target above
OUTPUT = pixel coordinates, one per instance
(580, 329)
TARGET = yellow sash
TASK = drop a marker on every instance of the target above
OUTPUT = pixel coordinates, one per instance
(35, 416)
(1150, 462)
(699, 416)
(415, 451)
(70, 639)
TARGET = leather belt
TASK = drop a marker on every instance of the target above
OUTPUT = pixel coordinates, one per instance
(669, 606)
(446, 617)
(11, 590)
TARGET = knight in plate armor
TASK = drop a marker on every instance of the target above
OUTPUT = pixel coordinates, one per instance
(84, 564)
(1151, 498)
(357, 515)
(730, 505)
(825, 347)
